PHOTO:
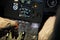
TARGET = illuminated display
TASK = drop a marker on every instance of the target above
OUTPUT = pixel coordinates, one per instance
(15, 0)
(24, 9)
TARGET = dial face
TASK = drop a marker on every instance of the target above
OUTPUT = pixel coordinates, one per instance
(15, 6)
(51, 3)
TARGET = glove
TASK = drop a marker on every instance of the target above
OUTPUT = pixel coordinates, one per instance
(8, 25)
(4, 22)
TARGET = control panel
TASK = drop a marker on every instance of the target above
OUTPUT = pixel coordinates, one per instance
(30, 30)
(28, 14)
(27, 10)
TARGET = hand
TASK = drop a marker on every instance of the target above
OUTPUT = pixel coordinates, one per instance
(47, 29)
(4, 22)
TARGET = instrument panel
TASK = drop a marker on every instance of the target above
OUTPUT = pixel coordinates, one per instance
(27, 10)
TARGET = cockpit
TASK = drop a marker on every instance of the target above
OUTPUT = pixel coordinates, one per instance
(31, 16)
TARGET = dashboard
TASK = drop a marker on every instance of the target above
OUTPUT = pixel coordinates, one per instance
(28, 13)
(31, 10)
(27, 10)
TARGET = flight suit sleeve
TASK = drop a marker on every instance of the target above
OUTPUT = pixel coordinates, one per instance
(47, 29)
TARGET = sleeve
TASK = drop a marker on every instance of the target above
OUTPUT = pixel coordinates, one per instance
(47, 29)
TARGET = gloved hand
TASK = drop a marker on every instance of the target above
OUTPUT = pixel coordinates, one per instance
(8, 25)
(4, 23)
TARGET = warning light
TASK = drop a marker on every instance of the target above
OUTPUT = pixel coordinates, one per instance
(35, 6)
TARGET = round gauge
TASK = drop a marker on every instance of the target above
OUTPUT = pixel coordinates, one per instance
(51, 3)
(15, 6)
